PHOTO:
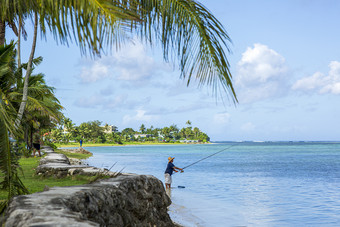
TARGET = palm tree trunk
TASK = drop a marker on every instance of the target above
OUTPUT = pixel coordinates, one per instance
(2, 32)
(28, 73)
(19, 43)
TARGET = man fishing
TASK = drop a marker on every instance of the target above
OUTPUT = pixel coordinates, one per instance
(168, 172)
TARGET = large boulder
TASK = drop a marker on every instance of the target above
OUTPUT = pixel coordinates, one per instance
(127, 200)
(58, 165)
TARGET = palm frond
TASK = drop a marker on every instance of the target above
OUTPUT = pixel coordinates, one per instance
(190, 33)
(8, 166)
(91, 23)
(7, 112)
(186, 30)
(36, 62)
(8, 160)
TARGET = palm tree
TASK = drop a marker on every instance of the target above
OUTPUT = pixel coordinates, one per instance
(44, 109)
(186, 26)
(188, 133)
(186, 30)
(68, 125)
(188, 123)
(142, 129)
(196, 132)
(182, 133)
(28, 73)
(8, 162)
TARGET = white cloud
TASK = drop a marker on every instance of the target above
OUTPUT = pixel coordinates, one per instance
(95, 72)
(110, 103)
(248, 127)
(133, 63)
(222, 118)
(321, 83)
(117, 101)
(309, 83)
(140, 116)
(89, 102)
(261, 74)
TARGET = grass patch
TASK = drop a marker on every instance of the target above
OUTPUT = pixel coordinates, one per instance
(35, 183)
(73, 155)
(110, 144)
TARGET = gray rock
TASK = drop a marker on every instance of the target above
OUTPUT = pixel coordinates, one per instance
(55, 158)
(58, 165)
(127, 200)
(76, 161)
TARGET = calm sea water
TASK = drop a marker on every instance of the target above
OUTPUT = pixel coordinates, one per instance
(249, 184)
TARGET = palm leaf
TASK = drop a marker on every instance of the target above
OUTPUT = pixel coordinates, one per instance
(186, 30)
(90, 23)
(8, 160)
(8, 166)
(7, 112)
(190, 33)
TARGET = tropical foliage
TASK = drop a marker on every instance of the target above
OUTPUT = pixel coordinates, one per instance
(8, 160)
(93, 132)
(187, 32)
(42, 113)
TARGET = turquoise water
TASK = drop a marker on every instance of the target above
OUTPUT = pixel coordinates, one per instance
(249, 184)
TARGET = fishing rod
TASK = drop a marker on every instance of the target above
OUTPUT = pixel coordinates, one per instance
(179, 186)
(208, 156)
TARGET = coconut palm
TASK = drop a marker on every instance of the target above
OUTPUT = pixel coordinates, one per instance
(185, 29)
(8, 160)
(69, 126)
(142, 128)
(43, 110)
(28, 73)
(196, 131)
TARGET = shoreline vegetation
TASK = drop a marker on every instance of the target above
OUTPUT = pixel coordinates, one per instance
(35, 183)
(66, 133)
(74, 144)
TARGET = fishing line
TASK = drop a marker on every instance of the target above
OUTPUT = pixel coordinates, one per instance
(180, 186)
(208, 156)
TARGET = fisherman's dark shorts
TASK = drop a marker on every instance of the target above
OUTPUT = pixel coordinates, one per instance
(36, 146)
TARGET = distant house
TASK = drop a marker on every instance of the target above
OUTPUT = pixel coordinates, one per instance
(110, 128)
(160, 135)
(189, 141)
(142, 135)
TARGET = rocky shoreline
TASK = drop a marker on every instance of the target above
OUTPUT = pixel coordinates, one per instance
(122, 200)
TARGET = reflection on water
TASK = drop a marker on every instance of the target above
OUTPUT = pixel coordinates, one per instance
(251, 184)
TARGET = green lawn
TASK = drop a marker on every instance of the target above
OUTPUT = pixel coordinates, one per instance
(110, 144)
(36, 183)
(73, 155)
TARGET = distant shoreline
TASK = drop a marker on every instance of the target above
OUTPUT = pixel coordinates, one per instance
(122, 145)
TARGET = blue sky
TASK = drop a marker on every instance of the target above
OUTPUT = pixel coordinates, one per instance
(285, 64)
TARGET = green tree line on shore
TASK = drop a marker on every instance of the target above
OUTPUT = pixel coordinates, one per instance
(94, 132)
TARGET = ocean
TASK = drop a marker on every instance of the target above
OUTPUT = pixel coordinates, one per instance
(247, 184)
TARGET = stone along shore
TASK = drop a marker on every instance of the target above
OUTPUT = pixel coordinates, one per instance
(123, 200)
